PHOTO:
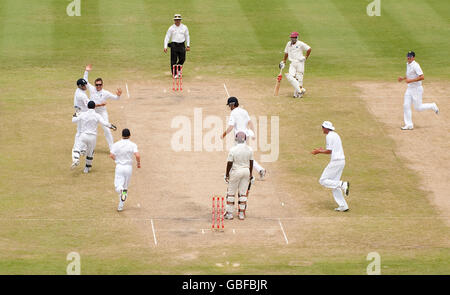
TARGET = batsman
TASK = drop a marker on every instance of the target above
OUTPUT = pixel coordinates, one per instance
(294, 51)
(238, 175)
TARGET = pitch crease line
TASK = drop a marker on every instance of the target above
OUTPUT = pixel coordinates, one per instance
(282, 229)
(154, 234)
(128, 93)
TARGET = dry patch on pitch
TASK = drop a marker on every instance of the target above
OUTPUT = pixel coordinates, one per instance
(426, 148)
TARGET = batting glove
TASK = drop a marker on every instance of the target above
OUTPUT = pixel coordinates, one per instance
(282, 65)
(113, 127)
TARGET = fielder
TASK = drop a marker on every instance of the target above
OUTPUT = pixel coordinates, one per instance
(99, 96)
(331, 176)
(80, 101)
(294, 51)
(177, 34)
(88, 132)
(238, 175)
(414, 92)
(240, 121)
(122, 153)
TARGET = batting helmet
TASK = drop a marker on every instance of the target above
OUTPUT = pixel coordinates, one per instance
(81, 82)
(294, 35)
(233, 100)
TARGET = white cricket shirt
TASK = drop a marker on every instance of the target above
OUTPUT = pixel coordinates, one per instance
(413, 70)
(239, 119)
(334, 143)
(177, 34)
(88, 122)
(99, 97)
(124, 150)
(80, 100)
(295, 51)
(240, 155)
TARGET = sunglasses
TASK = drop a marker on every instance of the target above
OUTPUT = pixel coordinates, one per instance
(98, 84)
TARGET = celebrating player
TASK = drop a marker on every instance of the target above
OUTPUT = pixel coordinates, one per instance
(331, 176)
(88, 132)
(178, 34)
(122, 153)
(99, 96)
(80, 102)
(294, 51)
(413, 94)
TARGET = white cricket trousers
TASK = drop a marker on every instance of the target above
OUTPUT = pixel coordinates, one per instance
(295, 75)
(122, 177)
(106, 130)
(89, 141)
(239, 180)
(331, 178)
(413, 95)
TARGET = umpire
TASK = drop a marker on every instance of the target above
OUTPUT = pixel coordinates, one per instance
(178, 34)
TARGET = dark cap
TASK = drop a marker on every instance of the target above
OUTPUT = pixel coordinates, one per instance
(126, 132)
(81, 82)
(233, 100)
(411, 54)
(91, 105)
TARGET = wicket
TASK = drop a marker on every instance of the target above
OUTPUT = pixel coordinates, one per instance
(177, 77)
(217, 213)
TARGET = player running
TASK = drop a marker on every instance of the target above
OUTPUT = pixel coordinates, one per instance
(99, 96)
(294, 51)
(240, 121)
(331, 175)
(122, 153)
(414, 92)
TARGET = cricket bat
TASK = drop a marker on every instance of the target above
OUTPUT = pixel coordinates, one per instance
(277, 85)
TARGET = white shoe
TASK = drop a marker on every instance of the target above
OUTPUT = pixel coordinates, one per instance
(75, 164)
(262, 173)
(120, 208)
(228, 216)
(303, 90)
(296, 94)
(436, 110)
(86, 170)
(241, 216)
(341, 209)
(407, 127)
(346, 187)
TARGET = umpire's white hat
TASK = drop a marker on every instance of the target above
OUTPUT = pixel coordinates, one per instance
(177, 16)
(328, 125)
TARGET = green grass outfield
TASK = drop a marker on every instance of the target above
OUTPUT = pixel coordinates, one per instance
(43, 52)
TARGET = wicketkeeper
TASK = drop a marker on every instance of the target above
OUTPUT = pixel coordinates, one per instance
(294, 51)
(238, 175)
